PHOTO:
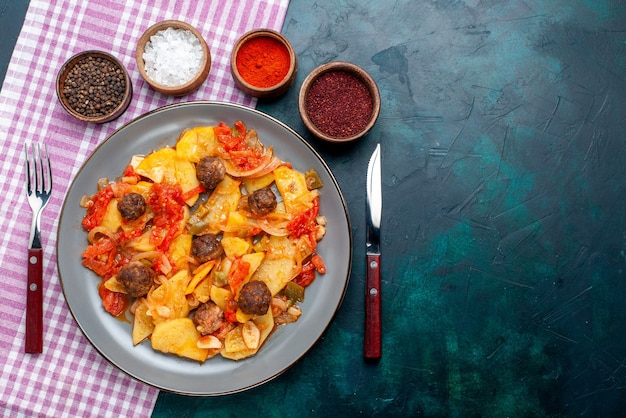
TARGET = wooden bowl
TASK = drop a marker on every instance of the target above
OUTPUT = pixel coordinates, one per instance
(187, 87)
(277, 86)
(102, 103)
(339, 102)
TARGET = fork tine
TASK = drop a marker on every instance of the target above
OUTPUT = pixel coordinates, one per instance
(27, 167)
(38, 168)
(48, 188)
(39, 174)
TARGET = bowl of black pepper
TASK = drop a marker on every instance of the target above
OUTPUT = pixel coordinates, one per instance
(93, 86)
(339, 102)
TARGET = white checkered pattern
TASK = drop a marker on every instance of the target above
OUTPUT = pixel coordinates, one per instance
(70, 378)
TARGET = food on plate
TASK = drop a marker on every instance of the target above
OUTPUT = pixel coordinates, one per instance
(136, 278)
(255, 298)
(208, 245)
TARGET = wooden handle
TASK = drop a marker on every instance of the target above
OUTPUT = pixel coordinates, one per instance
(34, 302)
(372, 345)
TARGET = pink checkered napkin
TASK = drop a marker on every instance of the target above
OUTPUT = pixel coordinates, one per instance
(70, 378)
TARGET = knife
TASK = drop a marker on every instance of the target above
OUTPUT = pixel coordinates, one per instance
(372, 343)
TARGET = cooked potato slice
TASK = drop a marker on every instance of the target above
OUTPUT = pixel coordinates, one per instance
(237, 221)
(235, 246)
(199, 274)
(186, 178)
(142, 243)
(179, 336)
(292, 187)
(112, 219)
(114, 285)
(158, 166)
(142, 325)
(179, 251)
(251, 335)
(276, 273)
(253, 184)
(164, 166)
(223, 201)
(221, 296)
(242, 318)
(202, 292)
(168, 301)
(195, 143)
(235, 347)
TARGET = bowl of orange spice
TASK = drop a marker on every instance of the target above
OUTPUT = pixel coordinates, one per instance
(263, 64)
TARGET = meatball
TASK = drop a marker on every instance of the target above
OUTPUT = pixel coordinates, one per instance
(210, 171)
(137, 278)
(206, 247)
(208, 318)
(261, 202)
(132, 206)
(255, 298)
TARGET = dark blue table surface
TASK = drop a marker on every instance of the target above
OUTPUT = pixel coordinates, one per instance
(504, 236)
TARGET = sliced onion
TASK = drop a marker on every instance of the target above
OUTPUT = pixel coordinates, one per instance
(272, 229)
(166, 267)
(279, 303)
(92, 235)
(151, 255)
(268, 164)
(86, 201)
(120, 189)
(102, 183)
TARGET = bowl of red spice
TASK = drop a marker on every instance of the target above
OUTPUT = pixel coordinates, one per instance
(339, 102)
(263, 64)
(173, 57)
(93, 86)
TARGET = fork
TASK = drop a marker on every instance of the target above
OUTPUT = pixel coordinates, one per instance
(38, 190)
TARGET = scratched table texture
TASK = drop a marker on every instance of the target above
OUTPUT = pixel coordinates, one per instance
(504, 238)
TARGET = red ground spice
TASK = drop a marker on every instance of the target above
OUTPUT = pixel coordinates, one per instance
(339, 104)
(263, 61)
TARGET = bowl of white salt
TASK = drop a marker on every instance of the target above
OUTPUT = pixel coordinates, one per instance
(173, 57)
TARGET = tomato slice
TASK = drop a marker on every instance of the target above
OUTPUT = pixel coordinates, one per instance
(193, 192)
(114, 303)
(237, 274)
(306, 276)
(167, 203)
(130, 172)
(309, 268)
(98, 209)
(100, 257)
(305, 224)
(230, 314)
(317, 261)
(234, 142)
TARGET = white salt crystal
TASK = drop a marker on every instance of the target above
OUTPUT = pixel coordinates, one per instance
(173, 57)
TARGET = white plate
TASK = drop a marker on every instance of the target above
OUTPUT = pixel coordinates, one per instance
(112, 337)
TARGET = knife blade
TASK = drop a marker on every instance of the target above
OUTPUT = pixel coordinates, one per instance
(372, 343)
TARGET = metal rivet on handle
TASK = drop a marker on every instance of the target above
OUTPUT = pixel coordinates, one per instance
(33, 260)
(33, 287)
(373, 292)
(373, 264)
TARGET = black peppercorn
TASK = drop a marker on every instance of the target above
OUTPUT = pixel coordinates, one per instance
(94, 86)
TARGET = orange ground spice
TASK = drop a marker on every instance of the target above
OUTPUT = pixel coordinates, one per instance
(263, 61)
